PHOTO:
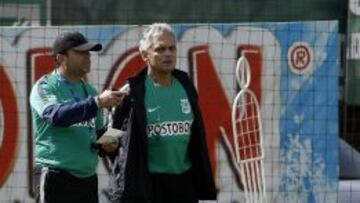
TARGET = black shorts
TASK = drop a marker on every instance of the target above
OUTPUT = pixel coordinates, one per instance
(172, 188)
(58, 186)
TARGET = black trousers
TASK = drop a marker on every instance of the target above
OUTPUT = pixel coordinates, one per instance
(172, 188)
(58, 186)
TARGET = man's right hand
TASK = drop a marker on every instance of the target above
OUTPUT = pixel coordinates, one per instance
(109, 98)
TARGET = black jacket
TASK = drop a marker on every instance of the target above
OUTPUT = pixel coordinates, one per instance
(131, 182)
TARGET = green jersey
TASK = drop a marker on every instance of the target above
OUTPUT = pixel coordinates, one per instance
(169, 120)
(69, 147)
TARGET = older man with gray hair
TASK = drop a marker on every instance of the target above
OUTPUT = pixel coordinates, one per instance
(164, 156)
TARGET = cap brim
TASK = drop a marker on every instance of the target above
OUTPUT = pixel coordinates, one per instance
(88, 47)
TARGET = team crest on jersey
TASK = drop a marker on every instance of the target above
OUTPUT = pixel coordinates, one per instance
(185, 106)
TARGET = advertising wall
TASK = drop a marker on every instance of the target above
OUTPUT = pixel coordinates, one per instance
(294, 69)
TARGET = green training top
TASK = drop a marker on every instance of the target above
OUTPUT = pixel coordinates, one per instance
(169, 120)
(67, 148)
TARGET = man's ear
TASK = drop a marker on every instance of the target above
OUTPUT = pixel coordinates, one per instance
(59, 57)
(144, 56)
(59, 60)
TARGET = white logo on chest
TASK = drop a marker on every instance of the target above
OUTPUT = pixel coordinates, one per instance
(185, 106)
(150, 110)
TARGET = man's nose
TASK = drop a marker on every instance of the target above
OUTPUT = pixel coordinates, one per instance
(169, 51)
(86, 54)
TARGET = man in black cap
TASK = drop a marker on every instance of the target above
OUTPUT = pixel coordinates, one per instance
(68, 120)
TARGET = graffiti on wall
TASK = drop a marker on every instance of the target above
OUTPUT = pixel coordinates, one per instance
(209, 54)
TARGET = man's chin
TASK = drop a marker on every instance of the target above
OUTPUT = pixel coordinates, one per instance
(169, 68)
(86, 70)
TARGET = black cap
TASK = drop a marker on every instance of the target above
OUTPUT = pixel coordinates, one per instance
(75, 41)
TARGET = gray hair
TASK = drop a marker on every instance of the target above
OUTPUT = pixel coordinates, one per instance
(155, 29)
